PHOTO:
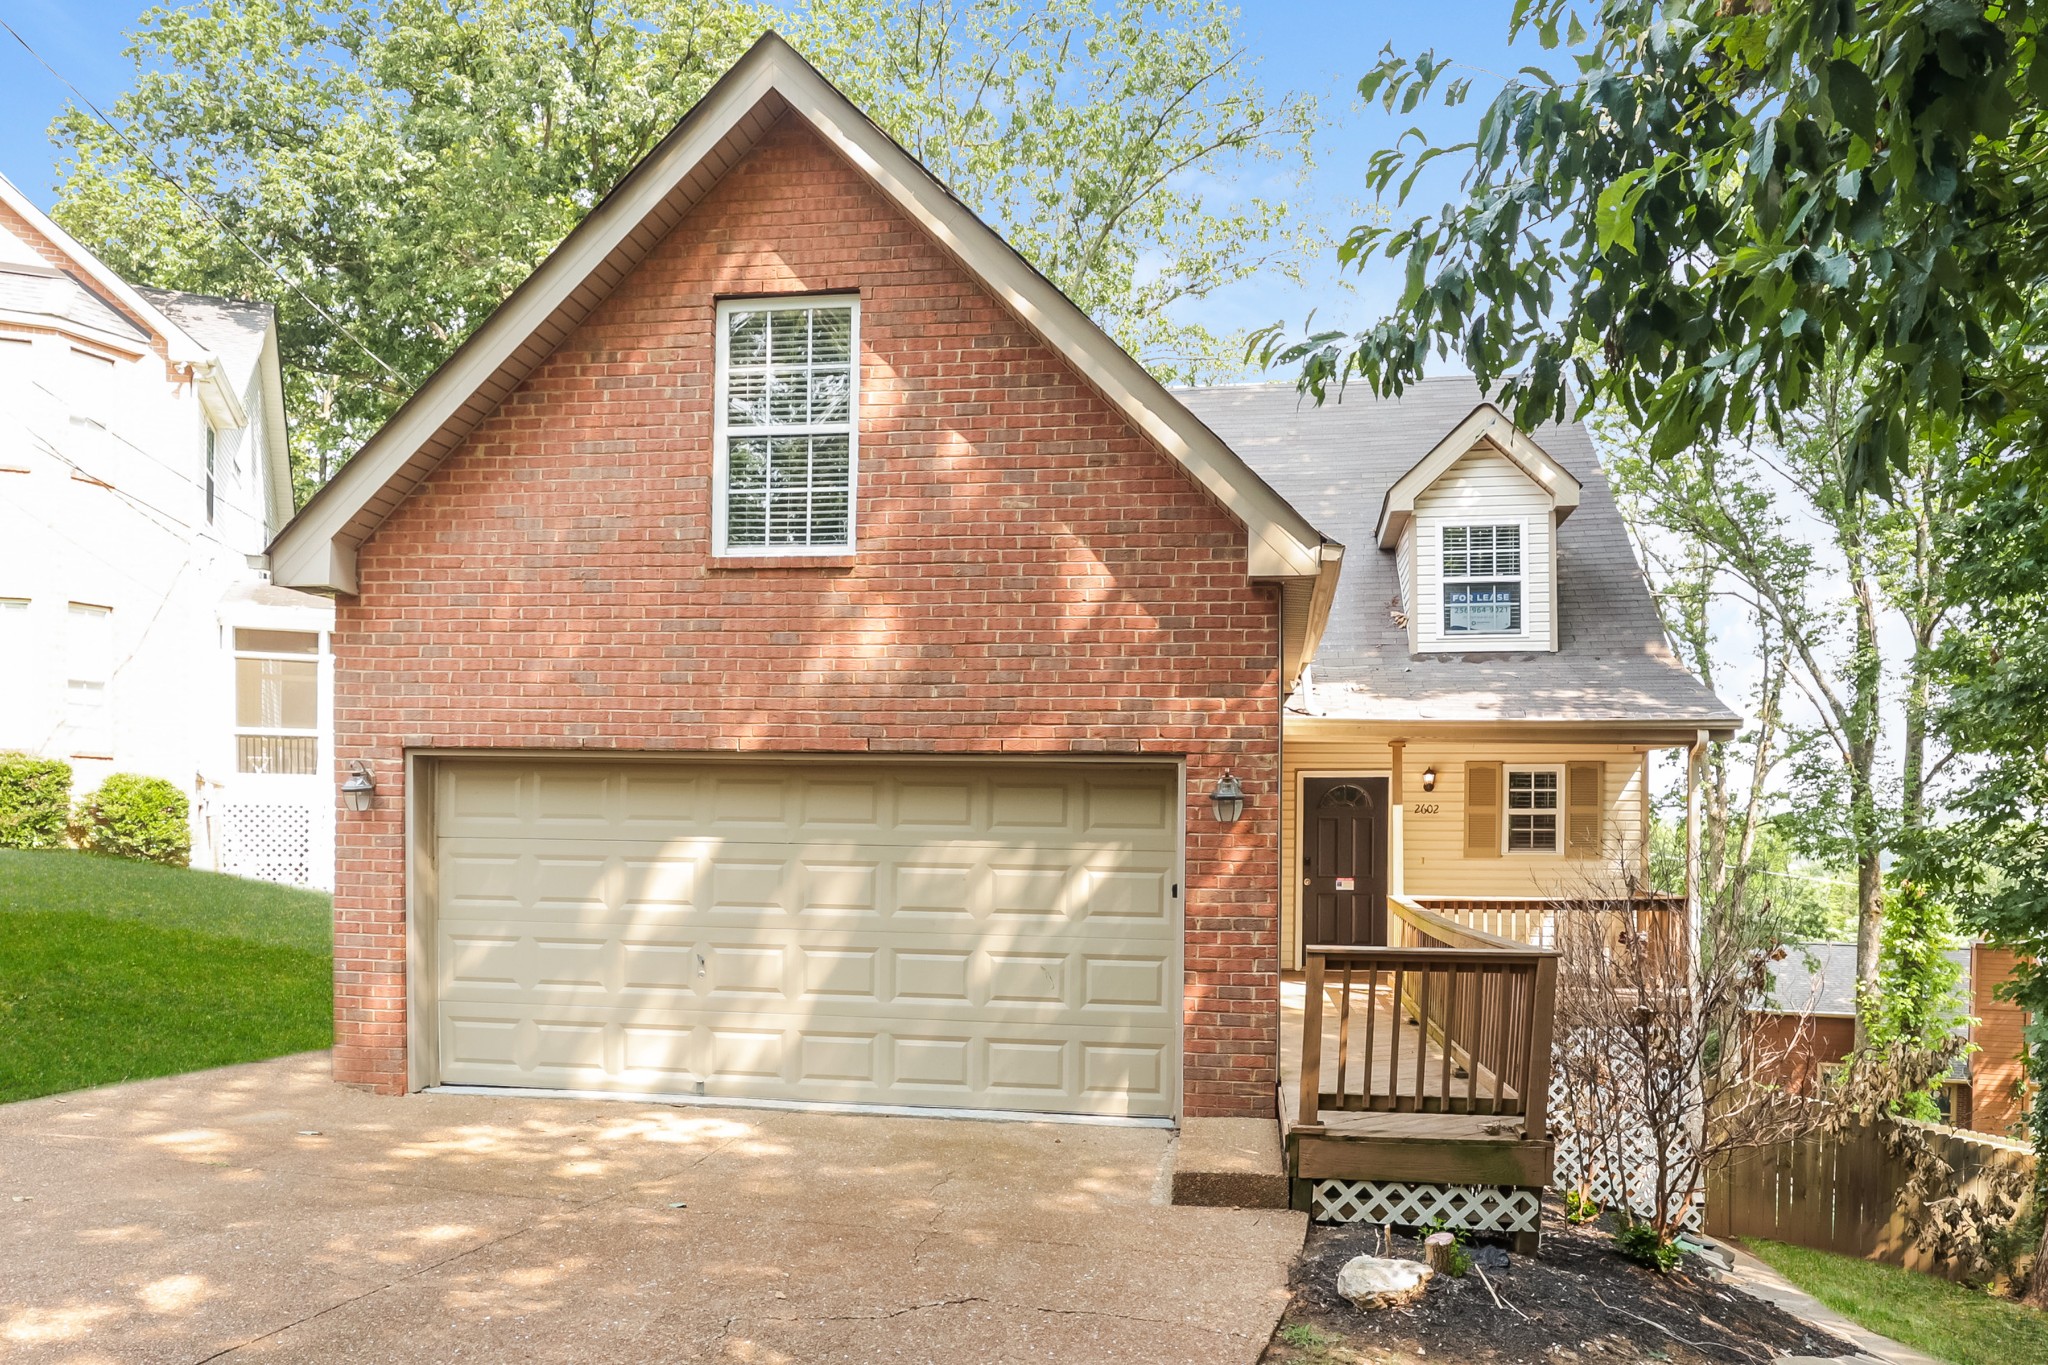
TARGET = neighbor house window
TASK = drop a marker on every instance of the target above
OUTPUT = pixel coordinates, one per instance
(1532, 810)
(277, 701)
(15, 722)
(88, 667)
(1482, 580)
(787, 408)
(91, 382)
(210, 439)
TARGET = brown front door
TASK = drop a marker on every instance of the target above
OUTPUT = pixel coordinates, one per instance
(1344, 860)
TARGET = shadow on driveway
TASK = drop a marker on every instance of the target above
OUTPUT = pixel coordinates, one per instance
(263, 1212)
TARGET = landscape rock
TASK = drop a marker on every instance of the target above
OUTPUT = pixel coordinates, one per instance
(1372, 1282)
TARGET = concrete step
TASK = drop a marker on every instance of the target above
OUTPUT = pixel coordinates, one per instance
(1230, 1163)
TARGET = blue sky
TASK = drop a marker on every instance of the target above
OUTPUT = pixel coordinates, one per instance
(1316, 46)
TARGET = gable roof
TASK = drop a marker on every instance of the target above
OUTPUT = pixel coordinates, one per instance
(116, 299)
(243, 334)
(1613, 674)
(767, 84)
(1486, 423)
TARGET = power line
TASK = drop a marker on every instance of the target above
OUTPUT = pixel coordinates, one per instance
(201, 208)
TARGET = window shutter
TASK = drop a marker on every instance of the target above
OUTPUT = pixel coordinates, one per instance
(1482, 810)
(1583, 809)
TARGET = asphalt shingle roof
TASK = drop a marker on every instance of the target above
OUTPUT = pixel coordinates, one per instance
(1335, 464)
(232, 329)
(60, 294)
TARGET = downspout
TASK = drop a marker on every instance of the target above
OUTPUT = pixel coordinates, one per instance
(1280, 813)
(1695, 762)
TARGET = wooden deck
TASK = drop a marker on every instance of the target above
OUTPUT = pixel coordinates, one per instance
(1429, 1058)
(1394, 1051)
(1395, 1144)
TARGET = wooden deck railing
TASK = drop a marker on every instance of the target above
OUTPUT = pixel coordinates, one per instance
(1485, 1005)
(1658, 918)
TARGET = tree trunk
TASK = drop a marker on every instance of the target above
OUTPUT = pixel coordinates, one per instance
(2037, 1280)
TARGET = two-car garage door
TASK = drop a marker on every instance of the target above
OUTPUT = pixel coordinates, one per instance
(989, 937)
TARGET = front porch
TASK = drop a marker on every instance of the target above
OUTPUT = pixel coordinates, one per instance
(1431, 1060)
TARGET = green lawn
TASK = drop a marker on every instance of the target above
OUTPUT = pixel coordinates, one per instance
(114, 971)
(1960, 1325)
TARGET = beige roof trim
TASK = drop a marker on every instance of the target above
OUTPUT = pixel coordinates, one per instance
(1486, 423)
(318, 549)
(1648, 734)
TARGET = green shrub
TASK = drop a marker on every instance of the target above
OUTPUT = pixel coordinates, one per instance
(130, 816)
(1578, 1208)
(1640, 1243)
(35, 801)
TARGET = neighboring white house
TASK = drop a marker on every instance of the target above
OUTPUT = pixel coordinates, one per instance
(142, 473)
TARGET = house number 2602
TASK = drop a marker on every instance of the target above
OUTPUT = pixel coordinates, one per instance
(1423, 808)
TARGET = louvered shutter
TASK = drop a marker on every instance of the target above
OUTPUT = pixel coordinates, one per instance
(1583, 808)
(1482, 810)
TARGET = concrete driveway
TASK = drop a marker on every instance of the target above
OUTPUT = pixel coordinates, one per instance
(263, 1212)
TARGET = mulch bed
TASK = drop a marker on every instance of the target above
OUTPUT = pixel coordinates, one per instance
(1578, 1301)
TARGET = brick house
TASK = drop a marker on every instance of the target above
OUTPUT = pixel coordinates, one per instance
(791, 654)
(1008, 672)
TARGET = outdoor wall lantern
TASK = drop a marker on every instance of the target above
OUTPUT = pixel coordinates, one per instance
(1228, 798)
(360, 789)
(1429, 778)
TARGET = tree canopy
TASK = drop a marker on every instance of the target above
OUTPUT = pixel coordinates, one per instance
(1693, 204)
(387, 171)
(402, 164)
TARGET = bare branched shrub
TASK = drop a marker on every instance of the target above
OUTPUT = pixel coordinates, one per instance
(1657, 1074)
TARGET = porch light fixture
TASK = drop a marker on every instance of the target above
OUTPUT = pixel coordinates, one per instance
(360, 789)
(1228, 798)
(1429, 778)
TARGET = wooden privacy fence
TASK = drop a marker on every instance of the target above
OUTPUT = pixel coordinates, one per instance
(1842, 1192)
(1485, 1007)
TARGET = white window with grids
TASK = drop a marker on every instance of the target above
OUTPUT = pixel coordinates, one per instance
(1533, 810)
(788, 419)
(88, 668)
(1482, 579)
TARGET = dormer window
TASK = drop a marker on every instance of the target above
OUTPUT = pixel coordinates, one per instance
(1473, 527)
(1482, 579)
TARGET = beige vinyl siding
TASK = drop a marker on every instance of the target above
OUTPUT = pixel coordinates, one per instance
(1436, 863)
(1484, 488)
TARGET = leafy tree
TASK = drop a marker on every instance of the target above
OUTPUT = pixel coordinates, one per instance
(1099, 134)
(1995, 855)
(1712, 199)
(404, 164)
(1742, 516)
(1919, 1000)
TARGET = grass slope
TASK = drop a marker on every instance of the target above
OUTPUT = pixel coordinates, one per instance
(1955, 1323)
(113, 971)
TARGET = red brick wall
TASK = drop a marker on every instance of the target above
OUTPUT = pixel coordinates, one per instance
(1995, 1067)
(1033, 577)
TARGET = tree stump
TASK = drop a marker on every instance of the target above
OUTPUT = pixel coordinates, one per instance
(1437, 1251)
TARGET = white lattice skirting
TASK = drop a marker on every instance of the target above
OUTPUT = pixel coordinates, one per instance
(270, 842)
(1580, 1165)
(1482, 1208)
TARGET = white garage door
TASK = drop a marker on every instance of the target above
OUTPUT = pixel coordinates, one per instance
(987, 937)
